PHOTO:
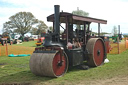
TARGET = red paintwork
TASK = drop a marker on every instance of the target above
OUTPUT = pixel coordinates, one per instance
(59, 70)
(98, 46)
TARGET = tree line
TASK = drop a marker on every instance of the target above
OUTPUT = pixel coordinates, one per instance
(25, 22)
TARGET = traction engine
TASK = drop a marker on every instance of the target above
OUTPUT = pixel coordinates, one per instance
(69, 44)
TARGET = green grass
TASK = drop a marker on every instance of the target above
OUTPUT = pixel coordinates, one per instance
(27, 44)
(16, 70)
(24, 48)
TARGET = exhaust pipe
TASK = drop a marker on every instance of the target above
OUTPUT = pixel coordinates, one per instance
(57, 19)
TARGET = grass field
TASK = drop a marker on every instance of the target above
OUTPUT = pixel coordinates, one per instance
(27, 44)
(24, 48)
(15, 70)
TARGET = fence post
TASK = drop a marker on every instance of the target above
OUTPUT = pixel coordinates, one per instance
(6, 49)
(125, 42)
(118, 45)
(0, 50)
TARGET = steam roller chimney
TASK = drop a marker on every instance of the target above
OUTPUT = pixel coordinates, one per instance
(56, 19)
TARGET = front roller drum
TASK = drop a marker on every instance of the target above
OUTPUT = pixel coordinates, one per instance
(48, 64)
(96, 52)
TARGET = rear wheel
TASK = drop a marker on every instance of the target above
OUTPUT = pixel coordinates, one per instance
(47, 64)
(97, 52)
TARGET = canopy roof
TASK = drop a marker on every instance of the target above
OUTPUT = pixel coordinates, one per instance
(75, 18)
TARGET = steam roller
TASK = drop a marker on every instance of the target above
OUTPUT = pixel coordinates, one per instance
(68, 46)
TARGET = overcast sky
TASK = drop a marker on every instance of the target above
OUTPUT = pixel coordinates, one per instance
(114, 11)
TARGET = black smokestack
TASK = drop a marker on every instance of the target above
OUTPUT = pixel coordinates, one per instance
(56, 19)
